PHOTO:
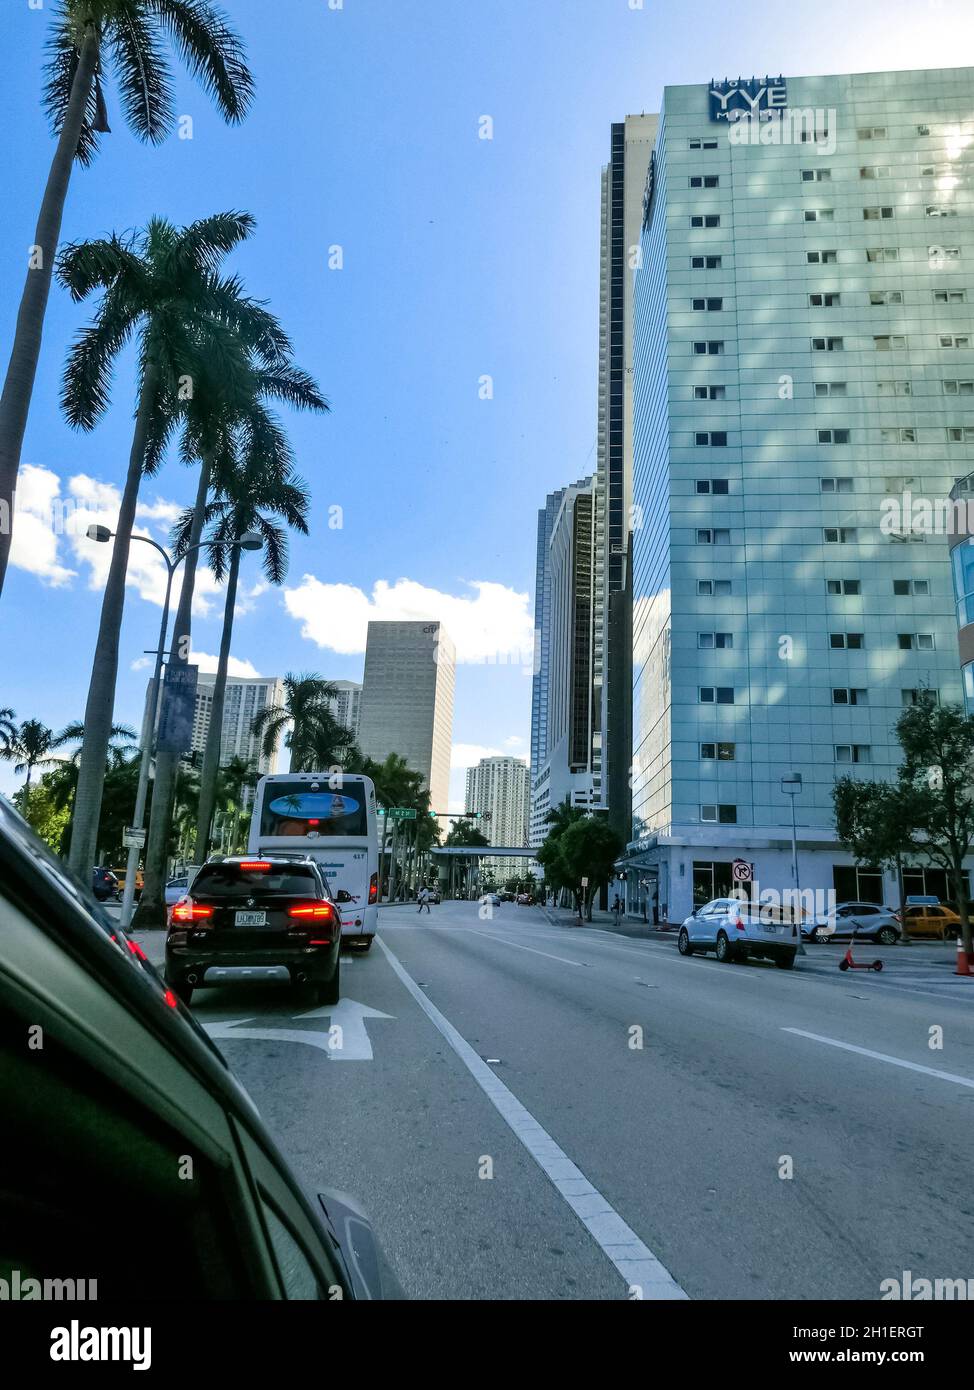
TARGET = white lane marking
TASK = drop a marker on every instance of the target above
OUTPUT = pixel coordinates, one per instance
(517, 945)
(884, 1057)
(636, 1263)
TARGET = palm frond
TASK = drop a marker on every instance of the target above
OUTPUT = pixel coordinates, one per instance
(212, 51)
(139, 63)
(60, 69)
(293, 386)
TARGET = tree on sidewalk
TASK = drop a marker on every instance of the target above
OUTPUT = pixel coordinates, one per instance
(589, 850)
(877, 823)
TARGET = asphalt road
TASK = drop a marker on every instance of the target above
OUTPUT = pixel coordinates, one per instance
(564, 1113)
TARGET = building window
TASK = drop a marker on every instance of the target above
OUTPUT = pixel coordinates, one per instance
(898, 434)
(820, 214)
(709, 305)
(908, 698)
(709, 536)
(835, 437)
(937, 255)
(704, 181)
(875, 171)
(918, 587)
(890, 342)
(838, 535)
(709, 641)
(916, 641)
(877, 214)
(827, 344)
(881, 255)
(708, 349)
(716, 695)
(825, 301)
(717, 487)
(959, 388)
(960, 434)
(853, 753)
(949, 296)
(843, 586)
(716, 588)
(718, 752)
(706, 262)
(885, 297)
(939, 210)
(876, 132)
(702, 144)
(709, 393)
(714, 438)
(831, 388)
(835, 484)
(894, 388)
(954, 340)
(844, 695)
(719, 815)
(710, 219)
(847, 641)
(816, 175)
(821, 257)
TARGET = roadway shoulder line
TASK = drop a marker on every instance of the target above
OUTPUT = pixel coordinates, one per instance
(634, 1261)
(884, 1057)
(504, 942)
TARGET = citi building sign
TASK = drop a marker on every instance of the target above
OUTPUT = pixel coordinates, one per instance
(760, 98)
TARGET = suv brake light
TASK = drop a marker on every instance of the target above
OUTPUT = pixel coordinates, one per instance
(188, 911)
(317, 912)
(257, 866)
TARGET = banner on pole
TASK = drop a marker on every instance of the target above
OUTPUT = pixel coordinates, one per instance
(178, 709)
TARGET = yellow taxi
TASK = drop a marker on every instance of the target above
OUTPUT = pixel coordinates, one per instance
(934, 921)
(120, 874)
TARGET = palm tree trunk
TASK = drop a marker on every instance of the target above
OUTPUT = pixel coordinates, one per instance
(214, 735)
(101, 689)
(151, 911)
(18, 385)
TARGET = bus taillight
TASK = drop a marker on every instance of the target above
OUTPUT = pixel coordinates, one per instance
(373, 888)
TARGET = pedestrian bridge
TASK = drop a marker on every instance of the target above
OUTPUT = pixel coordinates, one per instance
(483, 851)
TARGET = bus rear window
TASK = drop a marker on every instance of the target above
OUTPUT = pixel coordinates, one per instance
(292, 810)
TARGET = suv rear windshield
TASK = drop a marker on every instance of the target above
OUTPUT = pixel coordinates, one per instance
(231, 881)
(306, 808)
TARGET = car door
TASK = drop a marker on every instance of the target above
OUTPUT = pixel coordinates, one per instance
(710, 915)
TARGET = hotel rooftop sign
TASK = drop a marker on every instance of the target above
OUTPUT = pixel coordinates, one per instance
(758, 97)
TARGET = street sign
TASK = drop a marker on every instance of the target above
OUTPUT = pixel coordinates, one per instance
(403, 813)
(742, 871)
(133, 839)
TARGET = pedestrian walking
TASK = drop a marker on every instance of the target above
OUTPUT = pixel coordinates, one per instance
(423, 898)
(617, 909)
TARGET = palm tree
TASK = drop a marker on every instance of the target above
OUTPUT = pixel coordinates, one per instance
(300, 719)
(249, 502)
(162, 286)
(32, 745)
(91, 38)
(228, 415)
(8, 729)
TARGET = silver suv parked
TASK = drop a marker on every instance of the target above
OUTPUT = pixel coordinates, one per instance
(734, 930)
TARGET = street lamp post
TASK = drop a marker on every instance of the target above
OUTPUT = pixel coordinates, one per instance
(103, 534)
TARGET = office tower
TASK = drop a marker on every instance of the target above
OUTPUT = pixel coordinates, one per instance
(623, 184)
(803, 361)
(345, 705)
(565, 700)
(406, 705)
(498, 790)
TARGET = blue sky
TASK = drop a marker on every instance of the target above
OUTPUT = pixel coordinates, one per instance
(462, 258)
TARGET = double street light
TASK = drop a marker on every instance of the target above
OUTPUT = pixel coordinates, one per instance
(103, 534)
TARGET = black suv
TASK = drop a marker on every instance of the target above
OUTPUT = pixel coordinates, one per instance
(249, 920)
(104, 884)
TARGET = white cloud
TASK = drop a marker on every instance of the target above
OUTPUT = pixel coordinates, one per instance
(40, 522)
(492, 625)
(235, 667)
(470, 754)
(515, 741)
(166, 513)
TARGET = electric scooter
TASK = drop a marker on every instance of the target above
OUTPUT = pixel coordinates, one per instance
(849, 963)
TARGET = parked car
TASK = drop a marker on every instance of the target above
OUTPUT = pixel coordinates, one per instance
(932, 920)
(492, 898)
(505, 896)
(734, 930)
(855, 921)
(525, 900)
(128, 1072)
(435, 896)
(122, 874)
(104, 884)
(249, 921)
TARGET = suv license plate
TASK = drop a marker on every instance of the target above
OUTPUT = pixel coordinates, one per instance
(767, 927)
(250, 919)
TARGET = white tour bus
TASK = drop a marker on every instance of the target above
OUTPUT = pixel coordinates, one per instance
(332, 818)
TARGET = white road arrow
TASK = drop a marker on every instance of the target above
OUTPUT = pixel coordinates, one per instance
(345, 1041)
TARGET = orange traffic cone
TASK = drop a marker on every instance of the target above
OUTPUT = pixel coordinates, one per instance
(963, 965)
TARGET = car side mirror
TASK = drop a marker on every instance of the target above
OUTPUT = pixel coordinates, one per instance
(351, 1231)
(343, 896)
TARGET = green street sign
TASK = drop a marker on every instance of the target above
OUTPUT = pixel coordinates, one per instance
(403, 813)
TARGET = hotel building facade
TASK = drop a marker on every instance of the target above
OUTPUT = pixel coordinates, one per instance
(803, 359)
